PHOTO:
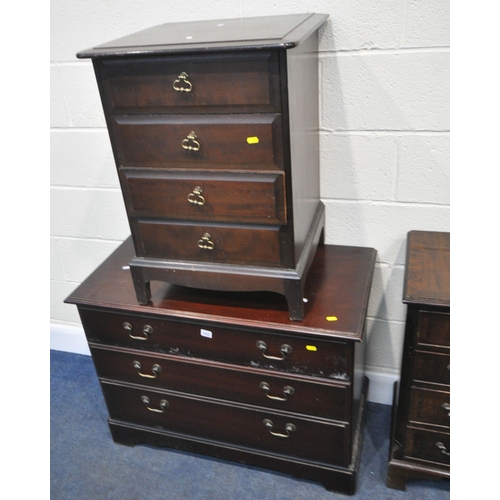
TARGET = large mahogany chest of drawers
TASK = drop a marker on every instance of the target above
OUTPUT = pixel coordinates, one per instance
(420, 447)
(215, 133)
(230, 375)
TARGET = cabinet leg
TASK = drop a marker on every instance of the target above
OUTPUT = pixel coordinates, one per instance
(294, 293)
(142, 287)
(396, 478)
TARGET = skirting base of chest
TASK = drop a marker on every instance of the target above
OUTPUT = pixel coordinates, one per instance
(287, 282)
(338, 479)
(400, 471)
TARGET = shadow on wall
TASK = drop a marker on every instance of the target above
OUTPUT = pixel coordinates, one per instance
(386, 313)
(327, 168)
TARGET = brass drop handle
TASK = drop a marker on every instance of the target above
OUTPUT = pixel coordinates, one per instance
(155, 369)
(191, 143)
(285, 349)
(206, 243)
(162, 406)
(287, 391)
(195, 197)
(147, 330)
(443, 449)
(182, 84)
(288, 429)
(446, 406)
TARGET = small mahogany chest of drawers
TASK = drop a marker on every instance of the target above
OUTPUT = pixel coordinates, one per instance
(230, 375)
(420, 446)
(215, 133)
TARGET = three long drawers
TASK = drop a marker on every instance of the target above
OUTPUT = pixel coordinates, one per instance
(285, 394)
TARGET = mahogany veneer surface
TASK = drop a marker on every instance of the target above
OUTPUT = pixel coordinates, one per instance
(420, 441)
(229, 374)
(336, 286)
(232, 107)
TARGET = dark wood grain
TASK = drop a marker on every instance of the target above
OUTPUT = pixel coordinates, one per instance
(197, 358)
(428, 406)
(223, 141)
(235, 244)
(302, 106)
(230, 345)
(428, 270)
(218, 328)
(240, 424)
(214, 35)
(431, 367)
(318, 397)
(423, 445)
(338, 285)
(202, 196)
(433, 327)
(243, 104)
(421, 420)
(221, 83)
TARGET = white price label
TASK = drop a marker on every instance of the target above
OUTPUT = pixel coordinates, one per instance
(206, 333)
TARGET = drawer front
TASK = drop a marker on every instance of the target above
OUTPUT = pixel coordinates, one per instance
(243, 82)
(251, 386)
(431, 367)
(293, 436)
(430, 407)
(257, 245)
(433, 328)
(250, 198)
(428, 445)
(257, 349)
(208, 141)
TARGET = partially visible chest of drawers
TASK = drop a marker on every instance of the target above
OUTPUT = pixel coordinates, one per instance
(420, 445)
(235, 378)
(214, 128)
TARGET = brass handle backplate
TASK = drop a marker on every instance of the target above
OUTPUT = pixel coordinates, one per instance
(288, 429)
(446, 406)
(191, 143)
(285, 349)
(195, 197)
(146, 331)
(162, 406)
(442, 448)
(287, 391)
(155, 369)
(206, 243)
(182, 84)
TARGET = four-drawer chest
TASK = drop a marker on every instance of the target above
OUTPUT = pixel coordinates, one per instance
(214, 127)
(420, 445)
(230, 375)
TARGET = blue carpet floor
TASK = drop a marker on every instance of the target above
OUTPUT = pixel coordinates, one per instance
(87, 464)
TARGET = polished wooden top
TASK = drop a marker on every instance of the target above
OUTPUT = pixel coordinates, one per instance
(338, 285)
(224, 34)
(427, 274)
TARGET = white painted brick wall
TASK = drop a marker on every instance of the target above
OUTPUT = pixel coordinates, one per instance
(384, 92)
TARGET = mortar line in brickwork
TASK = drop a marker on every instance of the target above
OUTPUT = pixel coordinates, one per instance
(381, 203)
(443, 133)
(378, 51)
(71, 187)
(405, 22)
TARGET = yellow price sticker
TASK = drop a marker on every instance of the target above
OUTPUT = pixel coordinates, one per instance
(253, 140)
